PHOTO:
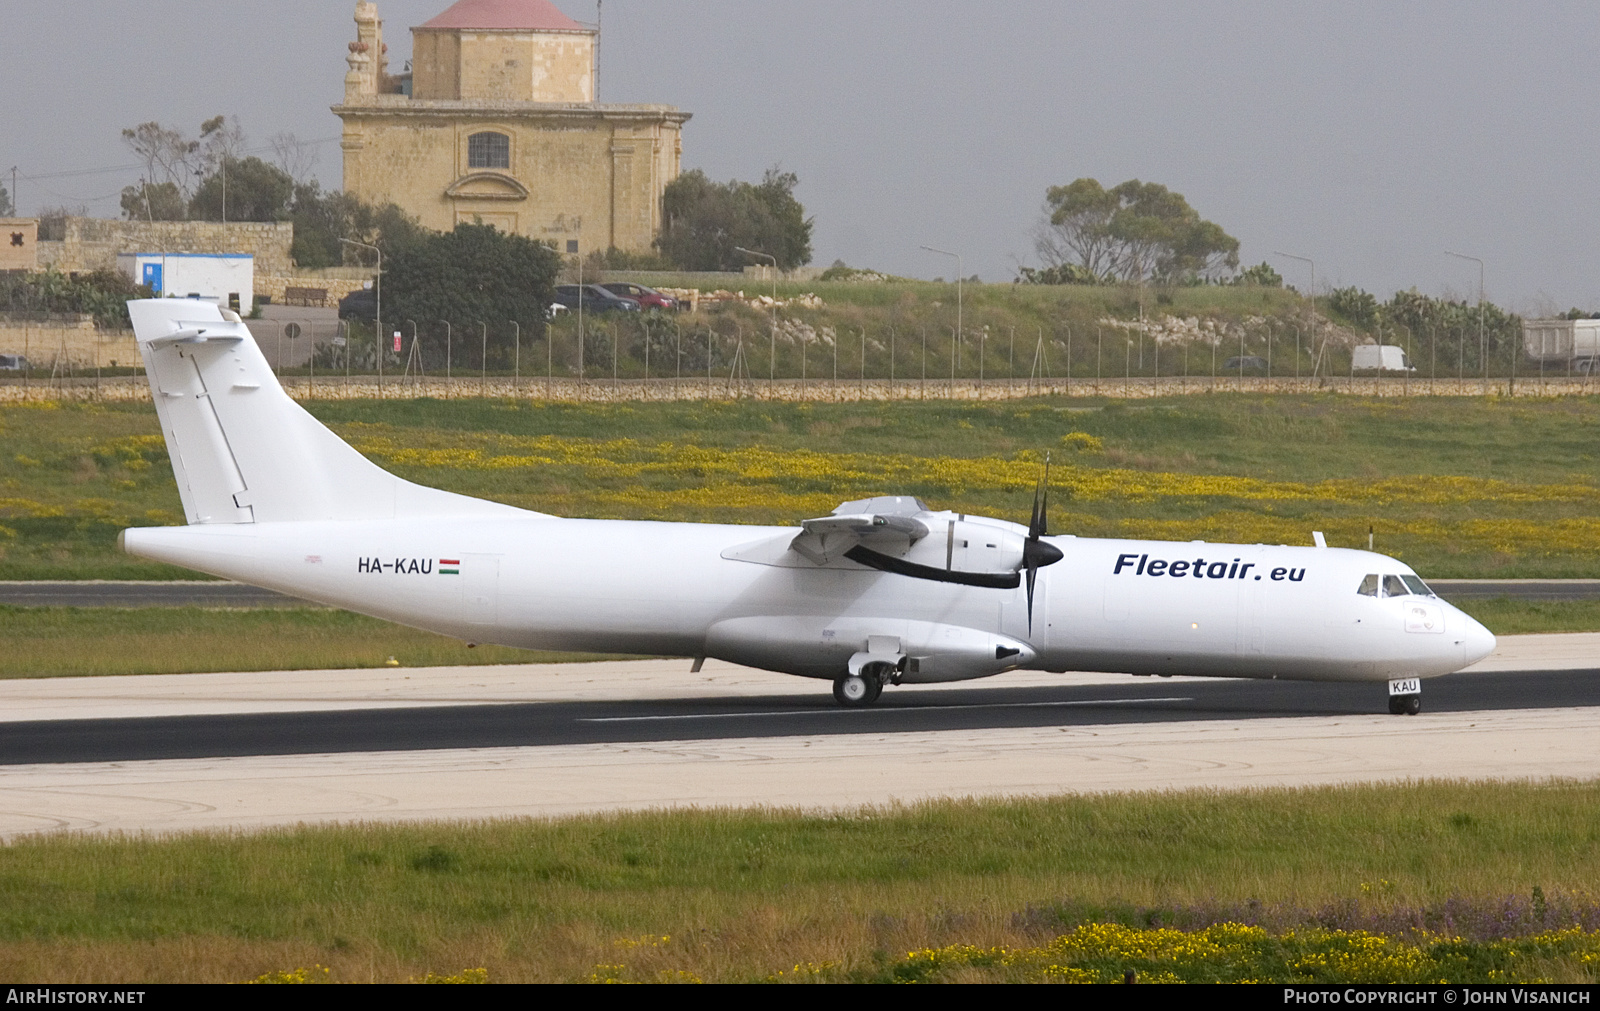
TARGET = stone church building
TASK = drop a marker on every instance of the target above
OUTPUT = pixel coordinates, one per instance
(496, 121)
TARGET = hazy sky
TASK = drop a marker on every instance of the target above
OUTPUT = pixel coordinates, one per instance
(1370, 137)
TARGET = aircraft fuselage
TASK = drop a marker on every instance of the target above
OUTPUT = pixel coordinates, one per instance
(681, 589)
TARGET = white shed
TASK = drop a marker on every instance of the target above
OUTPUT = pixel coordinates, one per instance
(229, 278)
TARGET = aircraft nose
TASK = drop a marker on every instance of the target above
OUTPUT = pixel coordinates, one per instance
(1477, 642)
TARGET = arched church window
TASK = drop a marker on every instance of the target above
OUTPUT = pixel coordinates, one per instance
(489, 151)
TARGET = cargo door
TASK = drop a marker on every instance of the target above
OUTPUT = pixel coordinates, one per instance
(1252, 639)
(480, 589)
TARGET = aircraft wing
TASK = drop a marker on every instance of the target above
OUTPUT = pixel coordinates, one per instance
(826, 538)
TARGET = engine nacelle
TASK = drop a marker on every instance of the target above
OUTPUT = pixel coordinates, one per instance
(962, 544)
(923, 652)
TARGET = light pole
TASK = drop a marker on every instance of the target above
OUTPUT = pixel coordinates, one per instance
(516, 357)
(1483, 342)
(960, 269)
(413, 349)
(772, 355)
(1316, 359)
(377, 311)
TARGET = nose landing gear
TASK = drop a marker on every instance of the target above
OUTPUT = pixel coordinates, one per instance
(1405, 696)
(1405, 705)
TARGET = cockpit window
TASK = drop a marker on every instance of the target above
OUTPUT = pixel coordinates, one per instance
(1369, 585)
(1394, 587)
(1418, 586)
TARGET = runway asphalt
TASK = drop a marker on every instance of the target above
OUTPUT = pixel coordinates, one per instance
(811, 714)
(200, 593)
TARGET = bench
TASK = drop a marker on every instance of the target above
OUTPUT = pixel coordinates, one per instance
(305, 296)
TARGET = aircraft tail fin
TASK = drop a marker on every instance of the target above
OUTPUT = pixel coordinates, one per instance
(242, 450)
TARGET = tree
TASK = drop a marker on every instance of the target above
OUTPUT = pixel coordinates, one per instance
(103, 294)
(321, 219)
(292, 155)
(1066, 273)
(220, 142)
(6, 210)
(706, 221)
(1355, 305)
(1261, 276)
(1076, 229)
(171, 162)
(1135, 231)
(243, 190)
(474, 274)
(166, 153)
(154, 202)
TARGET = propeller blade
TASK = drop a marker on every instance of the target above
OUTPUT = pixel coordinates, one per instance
(1033, 574)
(1036, 552)
(1041, 503)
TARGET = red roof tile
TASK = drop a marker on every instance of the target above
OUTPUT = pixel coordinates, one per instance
(506, 15)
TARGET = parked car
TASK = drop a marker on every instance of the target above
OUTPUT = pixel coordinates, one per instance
(359, 304)
(648, 298)
(12, 363)
(1245, 362)
(595, 299)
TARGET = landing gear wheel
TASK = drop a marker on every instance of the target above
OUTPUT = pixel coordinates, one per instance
(1405, 705)
(856, 690)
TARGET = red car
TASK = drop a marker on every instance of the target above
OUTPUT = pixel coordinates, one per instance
(648, 298)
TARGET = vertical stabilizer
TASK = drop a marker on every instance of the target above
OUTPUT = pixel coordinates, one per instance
(242, 451)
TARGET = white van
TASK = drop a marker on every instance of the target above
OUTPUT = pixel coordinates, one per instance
(1381, 358)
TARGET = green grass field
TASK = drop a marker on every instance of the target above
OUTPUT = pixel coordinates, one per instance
(67, 641)
(1455, 487)
(747, 895)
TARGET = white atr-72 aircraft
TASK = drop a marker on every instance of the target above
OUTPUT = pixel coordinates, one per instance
(883, 592)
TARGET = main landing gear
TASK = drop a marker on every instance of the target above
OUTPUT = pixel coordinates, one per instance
(857, 690)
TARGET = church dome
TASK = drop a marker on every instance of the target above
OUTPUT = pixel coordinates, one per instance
(504, 16)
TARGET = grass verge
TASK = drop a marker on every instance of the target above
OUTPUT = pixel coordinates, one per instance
(1510, 616)
(755, 895)
(71, 641)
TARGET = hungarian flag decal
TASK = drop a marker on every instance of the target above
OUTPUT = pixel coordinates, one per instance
(453, 569)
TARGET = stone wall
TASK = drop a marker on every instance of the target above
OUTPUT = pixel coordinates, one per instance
(72, 344)
(536, 387)
(93, 243)
(338, 281)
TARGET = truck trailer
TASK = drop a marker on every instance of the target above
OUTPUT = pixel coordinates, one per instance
(1565, 343)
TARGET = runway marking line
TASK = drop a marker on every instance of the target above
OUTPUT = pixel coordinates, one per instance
(904, 709)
